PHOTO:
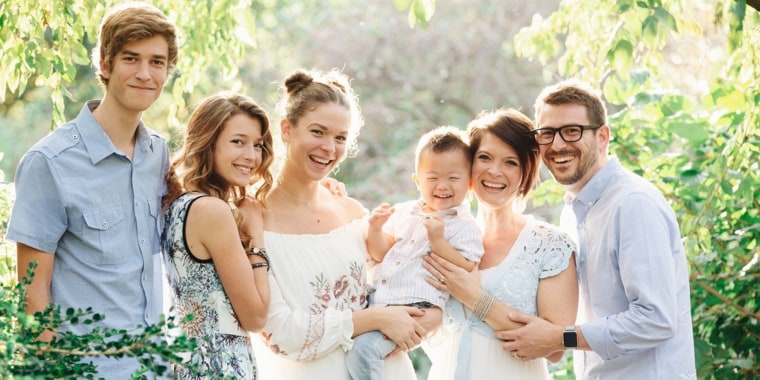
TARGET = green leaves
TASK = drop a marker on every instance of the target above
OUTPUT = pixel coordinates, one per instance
(420, 11)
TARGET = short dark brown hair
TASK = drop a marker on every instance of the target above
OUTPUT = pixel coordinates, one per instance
(514, 129)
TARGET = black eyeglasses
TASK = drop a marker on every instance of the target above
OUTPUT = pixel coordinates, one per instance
(569, 133)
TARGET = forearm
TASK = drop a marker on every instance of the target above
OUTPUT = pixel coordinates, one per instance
(442, 248)
(378, 244)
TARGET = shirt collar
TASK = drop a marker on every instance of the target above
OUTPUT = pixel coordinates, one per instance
(593, 189)
(97, 142)
(419, 208)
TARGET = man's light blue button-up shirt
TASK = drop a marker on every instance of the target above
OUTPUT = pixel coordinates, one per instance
(97, 211)
(634, 307)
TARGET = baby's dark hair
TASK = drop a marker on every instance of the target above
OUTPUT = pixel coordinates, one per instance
(442, 139)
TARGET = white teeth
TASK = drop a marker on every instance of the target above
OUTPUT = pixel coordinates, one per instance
(563, 159)
(243, 169)
(442, 196)
(493, 185)
(320, 160)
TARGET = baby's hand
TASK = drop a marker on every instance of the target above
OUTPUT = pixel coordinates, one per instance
(380, 215)
(434, 227)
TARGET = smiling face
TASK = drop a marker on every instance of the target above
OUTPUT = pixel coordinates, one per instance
(317, 144)
(238, 150)
(572, 164)
(137, 74)
(442, 178)
(496, 172)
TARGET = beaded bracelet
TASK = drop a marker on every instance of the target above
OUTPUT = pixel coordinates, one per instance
(261, 252)
(260, 265)
(483, 305)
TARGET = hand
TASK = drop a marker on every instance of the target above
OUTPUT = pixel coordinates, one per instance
(336, 187)
(400, 326)
(434, 227)
(380, 215)
(537, 339)
(461, 284)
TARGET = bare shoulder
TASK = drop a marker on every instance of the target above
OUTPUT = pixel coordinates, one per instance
(354, 208)
(212, 209)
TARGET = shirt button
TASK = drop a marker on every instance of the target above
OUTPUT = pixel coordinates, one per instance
(105, 223)
(142, 241)
(398, 263)
(74, 136)
(383, 282)
(137, 203)
(411, 241)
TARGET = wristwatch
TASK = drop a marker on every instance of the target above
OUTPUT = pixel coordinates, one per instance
(570, 337)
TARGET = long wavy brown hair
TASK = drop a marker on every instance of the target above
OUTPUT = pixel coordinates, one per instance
(193, 165)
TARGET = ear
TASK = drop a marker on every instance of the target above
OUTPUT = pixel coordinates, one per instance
(603, 138)
(285, 128)
(105, 69)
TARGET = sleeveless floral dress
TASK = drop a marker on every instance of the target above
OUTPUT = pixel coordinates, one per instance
(224, 348)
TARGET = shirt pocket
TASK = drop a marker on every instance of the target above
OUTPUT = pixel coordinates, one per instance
(103, 230)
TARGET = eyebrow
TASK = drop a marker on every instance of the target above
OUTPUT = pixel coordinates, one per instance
(325, 128)
(136, 54)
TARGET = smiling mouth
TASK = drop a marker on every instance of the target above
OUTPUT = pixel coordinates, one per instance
(493, 185)
(562, 159)
(447, 196)
(320, 161)
(243, 169)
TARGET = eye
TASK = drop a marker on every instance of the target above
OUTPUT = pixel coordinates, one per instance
(512, 163)
(454, 178)
(129, 58)
(159, 62)
(341, 138)
(317, 132)
(237, 141)
(483, 157)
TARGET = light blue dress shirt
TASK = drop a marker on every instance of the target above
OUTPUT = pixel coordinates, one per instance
(634, 308)
(83, 200)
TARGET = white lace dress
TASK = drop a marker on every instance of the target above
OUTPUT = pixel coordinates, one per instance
(316, 282)
(465, 347)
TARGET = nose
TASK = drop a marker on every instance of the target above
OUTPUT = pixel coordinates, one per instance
(143, 70)
(558, 142)
(328, 146)
(251, 153)
(493, 168)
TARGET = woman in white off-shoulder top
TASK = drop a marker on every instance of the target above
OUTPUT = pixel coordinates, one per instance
(316, 245)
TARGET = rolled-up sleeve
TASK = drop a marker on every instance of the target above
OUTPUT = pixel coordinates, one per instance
(646, 298)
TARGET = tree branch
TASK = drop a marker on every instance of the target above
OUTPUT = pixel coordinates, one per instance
(728, 302)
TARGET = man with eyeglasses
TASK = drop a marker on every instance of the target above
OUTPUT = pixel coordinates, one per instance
(634, 316)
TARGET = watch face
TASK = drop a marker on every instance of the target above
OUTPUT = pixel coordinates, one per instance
(570, 339)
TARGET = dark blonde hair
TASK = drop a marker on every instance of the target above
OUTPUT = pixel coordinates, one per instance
(193, 164)
(514, 129)
(306, 89)
(573, 91)
(132, 22)
(442, 139)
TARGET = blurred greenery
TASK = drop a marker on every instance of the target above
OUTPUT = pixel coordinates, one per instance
(679, 78)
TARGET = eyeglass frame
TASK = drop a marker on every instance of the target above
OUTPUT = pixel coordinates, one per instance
(558, 131)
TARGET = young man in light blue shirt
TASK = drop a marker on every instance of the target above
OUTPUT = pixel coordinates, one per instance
(88, 195)
(634, 316)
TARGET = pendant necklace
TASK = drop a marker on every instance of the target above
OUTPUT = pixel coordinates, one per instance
(292, 197)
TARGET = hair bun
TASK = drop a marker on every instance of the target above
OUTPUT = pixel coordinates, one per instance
(297, 81)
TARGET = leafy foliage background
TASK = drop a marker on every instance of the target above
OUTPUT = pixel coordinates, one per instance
(679, 78)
